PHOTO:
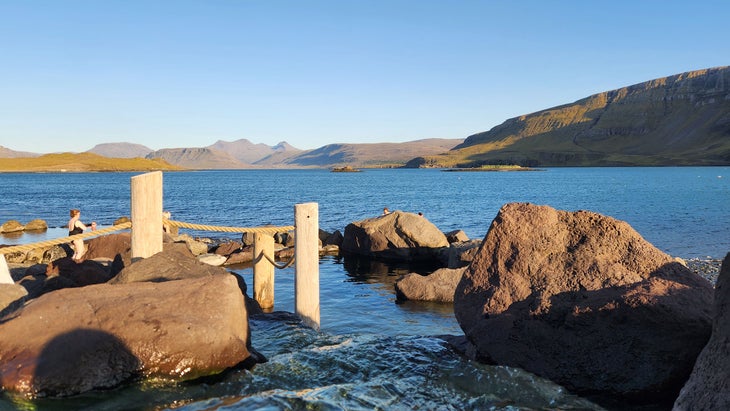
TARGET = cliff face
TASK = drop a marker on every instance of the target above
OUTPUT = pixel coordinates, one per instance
(676, 120)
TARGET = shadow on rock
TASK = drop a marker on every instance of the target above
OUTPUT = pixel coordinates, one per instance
(608, 343)
(82, 360)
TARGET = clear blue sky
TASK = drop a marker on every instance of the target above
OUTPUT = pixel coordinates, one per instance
(188, 73)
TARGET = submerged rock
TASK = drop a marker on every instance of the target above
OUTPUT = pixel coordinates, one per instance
(585, 301)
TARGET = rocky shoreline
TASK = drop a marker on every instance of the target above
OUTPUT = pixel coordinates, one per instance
(568, 283)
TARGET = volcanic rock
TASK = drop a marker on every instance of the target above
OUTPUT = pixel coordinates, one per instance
(80, 274)
(36, 225)
(708, 387)
(461, 254)
(456, 236)
(75, 340)
(174, 262)
(397, 236)
(438, 286)
(11, 226)
(12, 296)
(110, 246)
(584, 300)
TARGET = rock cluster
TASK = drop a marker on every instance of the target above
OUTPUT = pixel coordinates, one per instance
(109, 320)
(14, 226)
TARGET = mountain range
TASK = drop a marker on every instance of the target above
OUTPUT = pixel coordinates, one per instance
(682, 119)
(243, 153)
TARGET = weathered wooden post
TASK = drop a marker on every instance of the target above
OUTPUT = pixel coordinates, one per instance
(146, 214)
(5, 277)
(263, 270)
(306, 252)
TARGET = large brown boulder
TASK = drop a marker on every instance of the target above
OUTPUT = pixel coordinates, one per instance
(438, 286)
(396, 236)
(708, 387)
(584, 300)
(75, 340)
(174, 262)
(109, 246)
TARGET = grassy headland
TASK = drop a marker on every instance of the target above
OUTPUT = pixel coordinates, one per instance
(82, 162)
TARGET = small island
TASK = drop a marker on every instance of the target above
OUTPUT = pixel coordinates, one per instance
(494, 167)
(345, 169)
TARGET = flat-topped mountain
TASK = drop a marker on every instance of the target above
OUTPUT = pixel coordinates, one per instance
(682, 119)
(121, 150)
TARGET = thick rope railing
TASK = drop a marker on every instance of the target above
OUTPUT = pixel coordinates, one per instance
(261, 230)
(63, 240)
(203, 227)
(171, 223)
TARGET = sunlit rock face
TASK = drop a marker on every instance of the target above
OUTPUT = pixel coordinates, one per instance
(398, 236)
(78, 339)
(585, 301)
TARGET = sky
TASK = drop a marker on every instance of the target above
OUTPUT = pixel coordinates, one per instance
(177, 73)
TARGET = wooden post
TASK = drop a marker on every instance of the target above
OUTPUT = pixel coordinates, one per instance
(263, 270)
(306, 252)
(146, 214)
(5, 277)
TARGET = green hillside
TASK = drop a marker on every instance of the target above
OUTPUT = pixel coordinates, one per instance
(69, 162)
(678, 120)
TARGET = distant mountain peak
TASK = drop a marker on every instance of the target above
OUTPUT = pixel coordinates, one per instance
(8, 153)
(120, 150)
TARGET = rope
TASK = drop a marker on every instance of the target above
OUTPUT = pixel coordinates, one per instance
(202, 227)
(280, 267)
(63, 240)
(124, 226)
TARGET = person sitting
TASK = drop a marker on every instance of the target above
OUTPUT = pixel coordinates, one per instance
(75, 226)
(386, 211)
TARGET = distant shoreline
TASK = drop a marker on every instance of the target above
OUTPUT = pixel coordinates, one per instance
(493, 168)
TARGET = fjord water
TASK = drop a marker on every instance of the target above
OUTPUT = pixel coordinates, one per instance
(373, 352)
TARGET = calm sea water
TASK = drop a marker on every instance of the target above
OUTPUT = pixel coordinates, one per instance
(373, 352)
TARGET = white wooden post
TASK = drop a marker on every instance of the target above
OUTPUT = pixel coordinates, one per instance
(306, 252)
(146, 214)
(263, 270)
(5, 277)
